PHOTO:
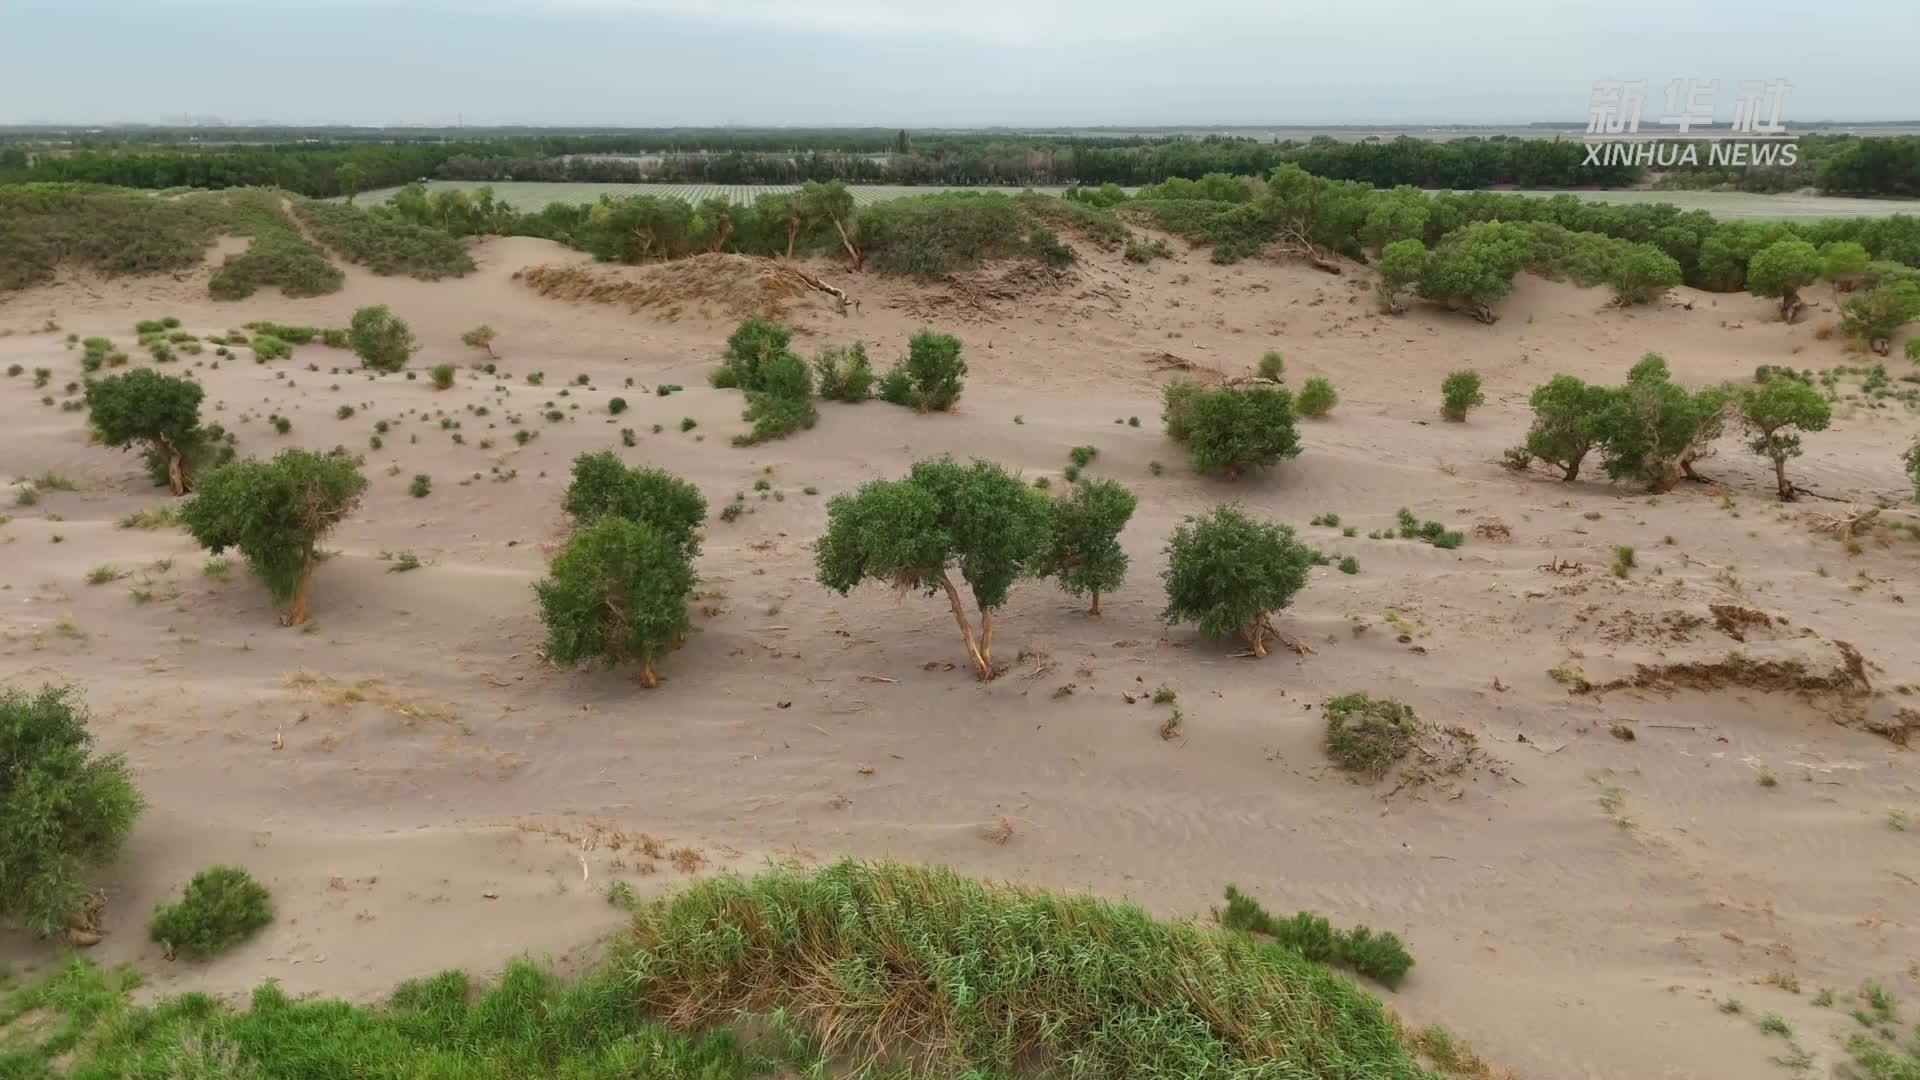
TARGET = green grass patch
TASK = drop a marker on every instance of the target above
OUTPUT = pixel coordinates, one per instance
(1378, 956)
(384, 242)
(1367, 735)
(223, 907)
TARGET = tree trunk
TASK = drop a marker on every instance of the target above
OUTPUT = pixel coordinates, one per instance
(1095, 609)
(1256, 634)
(177, 480)
(720, 238)
(986, 640)
(297, 614)
(966, 628)
(647, 678)
(1883, 346)
(1573, 471)
(1484, 313)
(793, 226)
(1790, 305)
(1780, 478)
(852, 252)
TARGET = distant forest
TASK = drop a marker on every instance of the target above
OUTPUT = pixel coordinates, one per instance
(345, 162)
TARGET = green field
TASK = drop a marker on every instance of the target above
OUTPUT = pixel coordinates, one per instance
(532, 195)
(1741, 204)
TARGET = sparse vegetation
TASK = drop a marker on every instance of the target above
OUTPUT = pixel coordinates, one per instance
(930, 377)
(1459, 392)
(1317, 398)
(381, 341)
(223, 906)
(1367, 735)
(1379, 956)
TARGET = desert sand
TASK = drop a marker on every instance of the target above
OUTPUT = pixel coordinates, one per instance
(421, 790)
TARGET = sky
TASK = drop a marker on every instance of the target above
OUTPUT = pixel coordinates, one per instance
(933, 63)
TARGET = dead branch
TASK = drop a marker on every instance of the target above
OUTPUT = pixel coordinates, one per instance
(781, 269)
(1843, 525)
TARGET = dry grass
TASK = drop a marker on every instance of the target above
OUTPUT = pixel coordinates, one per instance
(730, 286)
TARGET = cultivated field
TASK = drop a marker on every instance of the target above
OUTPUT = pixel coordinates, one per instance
(1666, 826)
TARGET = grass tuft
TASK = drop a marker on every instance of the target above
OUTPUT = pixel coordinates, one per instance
(1378, 956)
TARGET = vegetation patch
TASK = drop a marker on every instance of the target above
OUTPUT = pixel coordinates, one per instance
(1378, 956)
(223, 907)
(1367, 735)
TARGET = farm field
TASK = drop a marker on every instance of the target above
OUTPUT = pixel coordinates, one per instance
(532, 195)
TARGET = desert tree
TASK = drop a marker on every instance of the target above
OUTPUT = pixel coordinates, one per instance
(834, 203)
(754, 344)
(1459, 392)
(1394, 217)
(1229, 430)
(160, 413)
(929, 378)
(1653, 430)
(276, 512)
(783, 404)
(64, 810)
(617, 591)
(1083, 550)
(1228, 573)
(843, 373)
(1844, 263)
(1874, 316)
(1775, 413)
(1566, 423)
(942, 517)
(1402, 263)
(604, 485)
(381, 340)
(1640, 274)
(1780, 270)
(1473, 268)
(351, 178)
(481, 337)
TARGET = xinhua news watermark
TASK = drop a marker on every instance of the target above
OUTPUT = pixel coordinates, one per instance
(1758, 136)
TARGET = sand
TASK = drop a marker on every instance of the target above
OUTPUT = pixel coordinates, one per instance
(421, 790)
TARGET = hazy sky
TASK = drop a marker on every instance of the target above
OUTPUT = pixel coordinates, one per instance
(933, 63)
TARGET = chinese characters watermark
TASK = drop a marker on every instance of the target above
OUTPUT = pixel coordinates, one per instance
(1614, 120)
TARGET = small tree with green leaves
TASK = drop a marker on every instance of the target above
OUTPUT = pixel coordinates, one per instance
(481, 337)
(617, 591)
(1566, 423)
(942, 516)
(1780, 270)
(929, 378)
(1473, 268)
(159, 412)
(1775, 413)
(1459, 392)
(1084, 550)
(276, 512)
(382, 341)
(222, 907)
(1231, 430)
(1228, 573)
(754, 344)
(1641, 274)
(1653, 430)
(1401, 265)
(1844, 263)
(603, 484)
(1874, 316)
(1317, 398)
(783, 405)
(64, 811)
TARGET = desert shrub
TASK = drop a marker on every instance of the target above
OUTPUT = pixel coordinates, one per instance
(1473, 268)
(1367, 735)
(617, 591)
(1083, 550)
(1459, 392)
(1566, 422)
(1780, 270)
(1046, 247)
(908, 532)
(383, 241)
(1402, 264)
(1775, 413)
(1273, 366)
(1176, 401)
(480, 337)
(1433, 532)
(1913, 349)
(64, 811)
(1317, 398)
(1874, 316)
(223, 907)
(267, 347)
(602, 484)
(843, 373)
(929, 378)
(382, 341)
(616, 406)
(1145, 251)
(1652, 430)
(1082, 456)
(442, 375)
(278, 256)
(783, 405)
(931, 236)
(159, 412)
(1230, 430)
(421, 487)
(1228, 573)
(754, 344)
(1641, 273)
(275, 512)
(1844, 262)
(1379, 956)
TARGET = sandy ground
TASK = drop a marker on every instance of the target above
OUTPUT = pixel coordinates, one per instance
(422, 791)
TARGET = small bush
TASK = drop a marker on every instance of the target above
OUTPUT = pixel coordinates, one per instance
(1367, 735)
(442, 375)
(616, 406)
(843, 373)
(422, 485)
(1229, 430)
(1379, 956)
(617, 591)
(1349, 565)
(223, 907)
(1229, 573)
(1272, 366)
(383, 342)
(480, 337)
(1623, 561)
(1082, 455)
(63, 810)
(1317, 398)
(929, 378)
(344, 412)
(1459, 392)
(267, 347)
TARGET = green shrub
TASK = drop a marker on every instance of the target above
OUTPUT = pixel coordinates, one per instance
(1402, 263)
(1775, 413)
(1780, 270)
(1459, 392)
(754, 344)
(480, 337)
(382, 341)
(1874, 316)
(1473, 268)
(63, 810)
(930, 236)
(422, 486)
(1229, 573)
(618, 591)
(1566, 422)
(603, 484)
(907, 532)
(223, 907)
(384, 242)
(442, 375)
(616, 406)
(783, 405)
(1349, 564)
(159, 412)
(1367, 735)
(1230, 430)
(929, 377)
(1046, 247)
(1653, 431)
(275, 512)
(1083, 550)
(1378, 956)
(267, 347)
(1144, 251)
(1640, 273)
(843, 373)
(1083, 455)
(1317, 398)
(1433, 532)
(1272, 366)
